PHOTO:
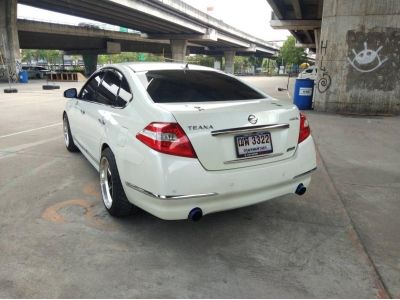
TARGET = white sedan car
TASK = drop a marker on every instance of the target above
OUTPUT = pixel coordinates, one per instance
(181, 141)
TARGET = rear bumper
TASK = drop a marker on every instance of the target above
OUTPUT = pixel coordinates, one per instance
(177, 190)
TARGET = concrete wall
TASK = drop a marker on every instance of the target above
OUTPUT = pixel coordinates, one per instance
(359, 57)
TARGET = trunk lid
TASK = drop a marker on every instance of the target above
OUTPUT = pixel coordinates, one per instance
(212, 127)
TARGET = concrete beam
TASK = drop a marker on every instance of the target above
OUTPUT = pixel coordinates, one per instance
(276, 7)
(296, 24)
(233, 41)
(266, 51)
(211, 35)
(151, 10)
(297, 9)
(302, 45)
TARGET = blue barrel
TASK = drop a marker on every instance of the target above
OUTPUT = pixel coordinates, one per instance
(23, 76)
(303, 93)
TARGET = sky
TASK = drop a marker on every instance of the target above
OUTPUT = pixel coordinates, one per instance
(250, 16)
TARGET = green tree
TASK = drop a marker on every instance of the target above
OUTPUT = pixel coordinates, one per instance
(50, 56)
(290, 54)
(202, 60)
(270, 65)
(256, 61)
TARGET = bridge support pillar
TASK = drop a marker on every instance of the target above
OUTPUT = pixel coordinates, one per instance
(178, 49)
(229, 61)
(90, 61)
(10, 56)
(358, 58)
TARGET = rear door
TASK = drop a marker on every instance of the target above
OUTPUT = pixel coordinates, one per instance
(229, 124)
(98, 111)
(104, 114)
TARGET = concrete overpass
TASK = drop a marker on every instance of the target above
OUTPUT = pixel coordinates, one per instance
(357, 47)
(182, 26)
(34, 34)
(301, 17)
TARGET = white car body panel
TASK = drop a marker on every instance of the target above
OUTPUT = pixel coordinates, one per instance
(170, 186)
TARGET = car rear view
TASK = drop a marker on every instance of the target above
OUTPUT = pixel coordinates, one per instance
(229, 146)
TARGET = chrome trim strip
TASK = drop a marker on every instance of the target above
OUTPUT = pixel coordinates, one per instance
(249, 129)
(168, 197)
(305, 173)
(252, 158)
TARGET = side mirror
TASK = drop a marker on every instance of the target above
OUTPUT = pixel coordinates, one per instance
(71, 93)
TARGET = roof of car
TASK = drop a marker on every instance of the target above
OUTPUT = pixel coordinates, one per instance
(151, 66)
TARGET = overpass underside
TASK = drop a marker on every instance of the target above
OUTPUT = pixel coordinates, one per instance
(357, 47)
(169, 27)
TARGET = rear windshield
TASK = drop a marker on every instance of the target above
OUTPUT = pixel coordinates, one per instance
(169, 86)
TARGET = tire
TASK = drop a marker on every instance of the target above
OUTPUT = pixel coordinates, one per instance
(69, 141)
(50, 87)
(112, 192)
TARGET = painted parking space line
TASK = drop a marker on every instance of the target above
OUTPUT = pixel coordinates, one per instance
(30, 130)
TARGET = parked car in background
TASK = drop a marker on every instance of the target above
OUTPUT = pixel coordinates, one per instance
(180, 141)
(309, 73)
(35, 72)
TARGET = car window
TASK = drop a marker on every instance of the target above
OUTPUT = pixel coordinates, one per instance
(88, 92)
(124, 94)
(309, 70)
(108, 89)
(167, 86)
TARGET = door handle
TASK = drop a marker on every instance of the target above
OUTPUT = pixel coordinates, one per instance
(101, 121)
(82, 112)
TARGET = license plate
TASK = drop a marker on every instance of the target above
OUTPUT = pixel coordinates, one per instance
(253, 144)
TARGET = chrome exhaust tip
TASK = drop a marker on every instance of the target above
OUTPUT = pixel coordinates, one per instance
(195, 214)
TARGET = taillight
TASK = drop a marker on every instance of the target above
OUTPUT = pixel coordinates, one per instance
(305, 130)
(168, 138)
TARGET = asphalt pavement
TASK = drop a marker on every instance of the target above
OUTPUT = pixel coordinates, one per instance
(339, 240)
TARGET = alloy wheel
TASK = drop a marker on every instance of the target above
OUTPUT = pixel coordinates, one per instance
(106, 182)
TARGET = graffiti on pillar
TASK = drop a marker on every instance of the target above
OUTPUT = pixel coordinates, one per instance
(324, 83)
(325, 80)
(8, 72)
(373, 59)
(3, 72)
(367, 60)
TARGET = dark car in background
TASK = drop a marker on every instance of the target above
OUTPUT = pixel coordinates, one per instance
(35, 72)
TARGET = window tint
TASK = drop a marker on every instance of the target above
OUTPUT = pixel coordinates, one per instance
(166, 86)
(124, 94)
(88, 92)
(108, 89)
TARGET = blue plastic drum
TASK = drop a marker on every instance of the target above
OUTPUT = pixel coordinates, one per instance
(303, 93)
(23, 77)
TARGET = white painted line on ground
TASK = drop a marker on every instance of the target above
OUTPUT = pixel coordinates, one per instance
(30, 130)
